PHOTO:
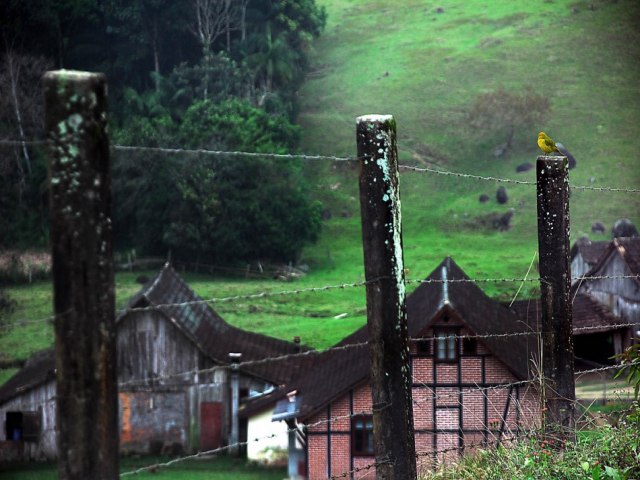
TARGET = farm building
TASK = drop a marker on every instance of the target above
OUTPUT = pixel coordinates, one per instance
(618, 282)
(178, 388)
(597, 333)
(584, 255)
(465, 390)
(28, 411)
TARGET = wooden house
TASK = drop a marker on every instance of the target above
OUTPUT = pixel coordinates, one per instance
(178, 388)
(617, 285)
(584, 255)
(598, 335)
(28, 411)
(466, 391)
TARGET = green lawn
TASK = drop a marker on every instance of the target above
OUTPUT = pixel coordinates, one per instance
(223, 468)
(425, 63)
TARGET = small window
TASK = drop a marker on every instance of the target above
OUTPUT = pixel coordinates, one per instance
(469, 346)
(424, 347)
(446, 345)
(362, 435)
(22, 426)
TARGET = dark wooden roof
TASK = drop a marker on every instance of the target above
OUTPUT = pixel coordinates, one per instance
(169, 294)
(629, 250)
(336, 371)
(38, 369)
(586, 312)
(215, 337)
(590, 251)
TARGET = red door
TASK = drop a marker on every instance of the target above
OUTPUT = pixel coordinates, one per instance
(210, 425)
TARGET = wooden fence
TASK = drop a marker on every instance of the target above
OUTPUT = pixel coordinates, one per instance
(84, 285)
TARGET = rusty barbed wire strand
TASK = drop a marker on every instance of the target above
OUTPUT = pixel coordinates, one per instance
(294, 156)
(508, 180)
(201, 151)
(268, 294)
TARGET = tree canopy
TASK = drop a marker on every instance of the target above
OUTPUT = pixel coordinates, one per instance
(214, 74)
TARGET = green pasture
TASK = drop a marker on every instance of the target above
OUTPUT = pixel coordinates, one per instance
(425, 63)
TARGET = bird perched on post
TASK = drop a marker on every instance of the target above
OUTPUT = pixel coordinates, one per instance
(547, 145)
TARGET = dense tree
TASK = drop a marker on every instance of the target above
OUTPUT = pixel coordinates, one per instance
(216, 74)
(22, 169)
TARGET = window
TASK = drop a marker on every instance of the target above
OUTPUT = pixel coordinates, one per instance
(22, 426)
(446, 345)
(424, 347)
(362, 435)
(469, 346)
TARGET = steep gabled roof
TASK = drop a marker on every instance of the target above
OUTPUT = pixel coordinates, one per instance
(169, 294)
(588, 315)
(338, 370)
(38, 369)
(590, 251)
(629, 250)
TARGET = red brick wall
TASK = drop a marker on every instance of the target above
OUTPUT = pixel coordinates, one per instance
(448, 414)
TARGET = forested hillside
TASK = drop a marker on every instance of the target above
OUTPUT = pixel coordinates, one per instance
(214, 74)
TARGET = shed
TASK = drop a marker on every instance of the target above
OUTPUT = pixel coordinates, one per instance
(615, 282)
(178, 388)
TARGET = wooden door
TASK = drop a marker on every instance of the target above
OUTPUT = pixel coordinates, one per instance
(210, 425)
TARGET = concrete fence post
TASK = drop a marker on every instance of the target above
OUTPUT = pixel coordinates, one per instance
(386, 311)
(555, 283)
(83, 284)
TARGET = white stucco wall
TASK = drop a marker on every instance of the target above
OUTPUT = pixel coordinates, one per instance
(273, 448)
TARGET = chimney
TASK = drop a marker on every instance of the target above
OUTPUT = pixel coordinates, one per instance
(234, 437)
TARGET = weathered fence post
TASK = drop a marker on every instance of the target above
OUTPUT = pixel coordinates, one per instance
(386, 312)
(83, 288)
(555, 283)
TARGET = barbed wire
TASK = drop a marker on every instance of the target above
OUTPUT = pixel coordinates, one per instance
(241, 365)
(464, 175)
(20, 143)
(222, 153)
(509, 180)
(323, 288)
(610, 326)
(295, 156)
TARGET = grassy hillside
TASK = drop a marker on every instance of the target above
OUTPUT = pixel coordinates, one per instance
(425, 63)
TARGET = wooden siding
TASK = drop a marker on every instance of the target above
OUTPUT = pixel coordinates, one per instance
(152, 351)
(38, 399)
(153, 356)
(621, 295)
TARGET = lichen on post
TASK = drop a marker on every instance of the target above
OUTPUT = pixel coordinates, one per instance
(555, 284)
(80, 213)
(394, 441)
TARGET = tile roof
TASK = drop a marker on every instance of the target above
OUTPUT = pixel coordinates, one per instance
(590, 251)
(586, 312)
(38, 369)
(335, 372)
(629, 249)
(215, 337)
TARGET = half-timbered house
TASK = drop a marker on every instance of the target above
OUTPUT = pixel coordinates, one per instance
(471, 371)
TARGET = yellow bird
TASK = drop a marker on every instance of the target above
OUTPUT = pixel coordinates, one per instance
(546, 144)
